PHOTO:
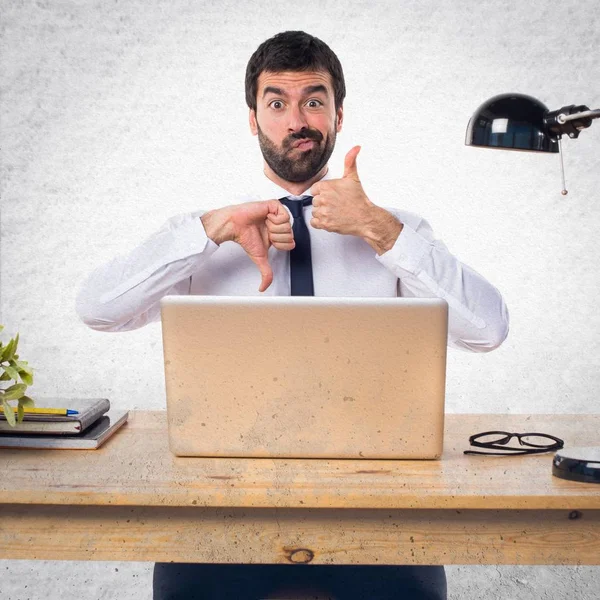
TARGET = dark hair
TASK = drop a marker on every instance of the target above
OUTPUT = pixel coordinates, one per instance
(294, 51)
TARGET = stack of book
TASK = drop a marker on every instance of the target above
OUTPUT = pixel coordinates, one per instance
(73, 423)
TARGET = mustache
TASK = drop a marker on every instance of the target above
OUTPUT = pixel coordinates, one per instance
(303, 134)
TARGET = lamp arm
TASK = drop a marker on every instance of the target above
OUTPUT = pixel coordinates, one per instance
(587, 114)
(569, 120)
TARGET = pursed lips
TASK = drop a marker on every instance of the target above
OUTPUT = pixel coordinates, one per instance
(304, 144)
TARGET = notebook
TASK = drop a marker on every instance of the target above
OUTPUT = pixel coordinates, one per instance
(88, 409)
(307, 377)
(90, 439)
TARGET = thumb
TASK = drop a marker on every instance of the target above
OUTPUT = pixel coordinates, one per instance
(262, 260)
(265, 271)
(350, 169)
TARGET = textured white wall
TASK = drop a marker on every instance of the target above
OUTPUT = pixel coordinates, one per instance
(117, 115)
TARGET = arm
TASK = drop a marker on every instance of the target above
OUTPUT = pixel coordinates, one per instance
(125, 293)
(477, 316)
(478, 319)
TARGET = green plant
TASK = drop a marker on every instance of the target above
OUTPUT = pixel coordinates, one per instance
(13, 369)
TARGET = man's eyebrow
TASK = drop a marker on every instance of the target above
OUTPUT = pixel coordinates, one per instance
(273, 90)
(311, 89)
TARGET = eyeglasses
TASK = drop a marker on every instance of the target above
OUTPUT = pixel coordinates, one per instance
(529, 443)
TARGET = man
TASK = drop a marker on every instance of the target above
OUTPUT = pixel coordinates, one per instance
(342, 245)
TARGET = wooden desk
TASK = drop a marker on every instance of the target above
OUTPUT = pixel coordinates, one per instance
(133, 500)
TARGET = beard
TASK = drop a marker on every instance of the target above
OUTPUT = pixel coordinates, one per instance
(294, 165)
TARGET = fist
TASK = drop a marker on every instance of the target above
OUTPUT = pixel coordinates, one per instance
(279, 228)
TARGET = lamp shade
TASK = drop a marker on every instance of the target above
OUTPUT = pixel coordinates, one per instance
(511, 122)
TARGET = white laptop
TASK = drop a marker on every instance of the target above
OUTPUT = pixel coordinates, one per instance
(305, 377)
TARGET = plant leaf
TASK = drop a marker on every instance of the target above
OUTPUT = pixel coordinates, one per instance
(26, 378)
(8, 412)
(5, 351)
(4, 377)
(8, 352)
(21, 365)
(14, 392)
(15, 387)
(12, 372)
(26, 401)
(23, 403)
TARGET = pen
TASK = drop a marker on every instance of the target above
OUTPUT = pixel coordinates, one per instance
(47, 411)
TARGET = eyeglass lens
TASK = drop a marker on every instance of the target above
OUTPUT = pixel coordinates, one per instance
(536, 440)
(515, 441)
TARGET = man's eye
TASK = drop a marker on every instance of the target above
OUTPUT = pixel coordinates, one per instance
(276, 104)
(315, 103)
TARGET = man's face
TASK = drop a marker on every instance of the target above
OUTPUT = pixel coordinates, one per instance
(296, 122)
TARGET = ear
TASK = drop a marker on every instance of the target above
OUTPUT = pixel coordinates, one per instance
(253, 124)
(339, 119)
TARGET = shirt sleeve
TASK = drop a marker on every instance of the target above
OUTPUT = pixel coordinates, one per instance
(125, 293)
(478, 319)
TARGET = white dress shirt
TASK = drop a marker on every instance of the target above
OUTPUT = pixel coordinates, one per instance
(180, 259)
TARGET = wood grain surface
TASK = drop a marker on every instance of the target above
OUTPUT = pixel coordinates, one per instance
(300, 536)
(134, 500)
(137, 468)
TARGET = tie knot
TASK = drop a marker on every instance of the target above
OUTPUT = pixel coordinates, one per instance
(296, 205)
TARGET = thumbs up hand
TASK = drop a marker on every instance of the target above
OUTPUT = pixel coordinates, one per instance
(341, 206)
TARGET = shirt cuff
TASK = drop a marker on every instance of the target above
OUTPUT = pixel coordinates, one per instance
(407, 252)
(199, 238)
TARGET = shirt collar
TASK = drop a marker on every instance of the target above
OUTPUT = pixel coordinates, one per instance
(270, 189)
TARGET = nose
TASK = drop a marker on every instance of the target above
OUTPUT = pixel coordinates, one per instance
(297, 119)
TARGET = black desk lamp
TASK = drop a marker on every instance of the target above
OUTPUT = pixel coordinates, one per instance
(520, 122)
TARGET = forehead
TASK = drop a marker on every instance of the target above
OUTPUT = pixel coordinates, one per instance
(293, 82)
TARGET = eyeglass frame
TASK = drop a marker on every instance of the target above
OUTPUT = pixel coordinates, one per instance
(508, 451)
